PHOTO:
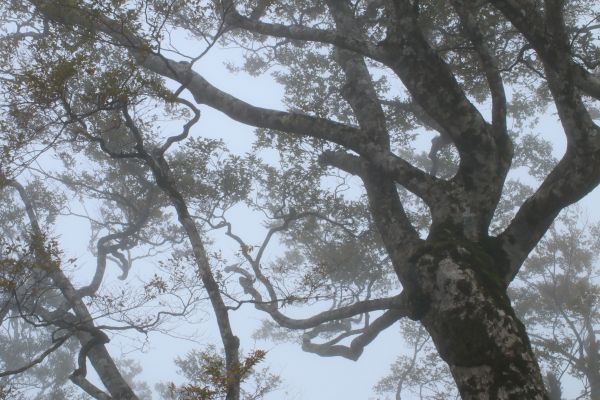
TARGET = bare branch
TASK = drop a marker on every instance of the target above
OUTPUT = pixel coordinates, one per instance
(55, 346)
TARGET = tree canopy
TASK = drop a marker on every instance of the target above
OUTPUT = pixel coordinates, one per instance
(359, 227)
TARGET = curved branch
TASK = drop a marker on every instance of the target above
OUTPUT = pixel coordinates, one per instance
(97, 338)
(204, 93)
(356, 347)
(186, 128)
(398, 303)
(103, 249)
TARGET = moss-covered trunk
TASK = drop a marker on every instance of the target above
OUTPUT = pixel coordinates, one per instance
(474, 327)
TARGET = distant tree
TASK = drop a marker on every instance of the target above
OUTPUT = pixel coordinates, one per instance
(130, 369)
(420, 374)
(102, 85)
(558, 298)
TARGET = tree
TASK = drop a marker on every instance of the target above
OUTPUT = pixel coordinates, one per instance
(37, 289)
(361, 79)
(20, 345)
(555, 295)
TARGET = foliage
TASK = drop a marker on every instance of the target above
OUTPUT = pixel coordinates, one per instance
(206, 377)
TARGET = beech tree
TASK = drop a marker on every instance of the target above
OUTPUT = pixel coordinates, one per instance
(363, 82)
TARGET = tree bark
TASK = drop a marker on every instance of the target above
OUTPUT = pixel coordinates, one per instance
(592, 368)
(106, 369)
(473, 325)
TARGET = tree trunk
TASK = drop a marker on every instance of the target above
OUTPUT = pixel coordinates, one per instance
(107, 370)
(592, 370)
(553, 386)
(473, 325)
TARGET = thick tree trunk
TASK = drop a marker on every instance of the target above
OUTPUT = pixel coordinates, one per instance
(473, 325)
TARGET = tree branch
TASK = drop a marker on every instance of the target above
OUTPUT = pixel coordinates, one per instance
(358, 90)
(488, 60)
(55, 345)
(303, 33)
(529, 20)
(356, 347)
(578, 172)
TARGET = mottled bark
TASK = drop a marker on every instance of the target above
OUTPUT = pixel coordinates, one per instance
(456, 288)
(472, 323)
